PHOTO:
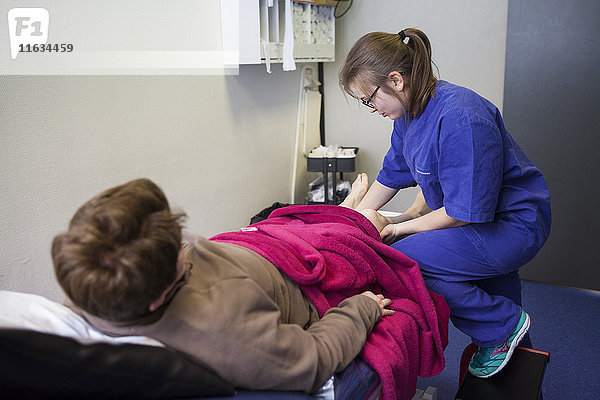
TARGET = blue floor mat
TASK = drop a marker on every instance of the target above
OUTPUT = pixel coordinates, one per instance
(565, 323)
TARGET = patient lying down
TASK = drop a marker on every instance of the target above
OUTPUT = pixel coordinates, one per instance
(228, 302)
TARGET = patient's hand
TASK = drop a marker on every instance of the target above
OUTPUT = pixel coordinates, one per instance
(376, 219)
(382, 302)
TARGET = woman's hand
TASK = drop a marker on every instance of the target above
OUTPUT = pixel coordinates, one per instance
(392, 233)
(389, 231)
(382, 302)
(376, 219)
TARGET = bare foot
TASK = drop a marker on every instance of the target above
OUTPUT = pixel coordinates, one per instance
(359, 189)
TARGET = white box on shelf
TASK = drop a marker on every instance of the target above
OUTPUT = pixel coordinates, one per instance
(313, 27)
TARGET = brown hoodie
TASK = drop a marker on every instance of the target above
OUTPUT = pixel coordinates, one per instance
(237, 313)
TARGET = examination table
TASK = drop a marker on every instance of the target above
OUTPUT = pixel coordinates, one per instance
(48, 351)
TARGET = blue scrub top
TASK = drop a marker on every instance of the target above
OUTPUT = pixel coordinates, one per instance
(460, 154)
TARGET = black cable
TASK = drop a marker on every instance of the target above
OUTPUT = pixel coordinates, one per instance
(322, 91)
(345, 11)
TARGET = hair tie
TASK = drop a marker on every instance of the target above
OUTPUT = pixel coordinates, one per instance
(402, 35)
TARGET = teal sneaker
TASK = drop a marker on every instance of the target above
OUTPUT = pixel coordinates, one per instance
(490, 360)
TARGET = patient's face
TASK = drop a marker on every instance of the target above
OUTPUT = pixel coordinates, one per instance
(179, 274)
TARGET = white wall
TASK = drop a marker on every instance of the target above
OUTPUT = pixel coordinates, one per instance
(468, 39)
(219, 146)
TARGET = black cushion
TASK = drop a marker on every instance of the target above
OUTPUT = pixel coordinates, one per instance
(38, 365)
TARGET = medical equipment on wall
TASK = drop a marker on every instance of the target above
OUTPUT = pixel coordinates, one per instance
(286, 31)
(309, 156)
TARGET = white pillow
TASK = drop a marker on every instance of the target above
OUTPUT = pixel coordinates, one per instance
(33, 312)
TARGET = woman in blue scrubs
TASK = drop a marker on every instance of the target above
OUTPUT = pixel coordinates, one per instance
(484, 208)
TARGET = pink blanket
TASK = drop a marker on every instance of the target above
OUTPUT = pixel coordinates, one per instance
(334, 252)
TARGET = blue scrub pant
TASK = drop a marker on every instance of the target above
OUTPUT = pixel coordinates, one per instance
(475, 268)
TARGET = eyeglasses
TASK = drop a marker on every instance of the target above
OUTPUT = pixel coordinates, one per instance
(368, 101)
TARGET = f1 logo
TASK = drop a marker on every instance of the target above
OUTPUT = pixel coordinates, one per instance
(27, 26)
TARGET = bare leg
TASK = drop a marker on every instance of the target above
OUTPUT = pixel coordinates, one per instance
(378, 220)
(359, 189)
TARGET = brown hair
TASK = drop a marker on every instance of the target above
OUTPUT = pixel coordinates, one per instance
(120, 251)
(376, 54)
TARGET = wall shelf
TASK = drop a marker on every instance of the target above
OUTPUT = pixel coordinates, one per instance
(263, 29)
